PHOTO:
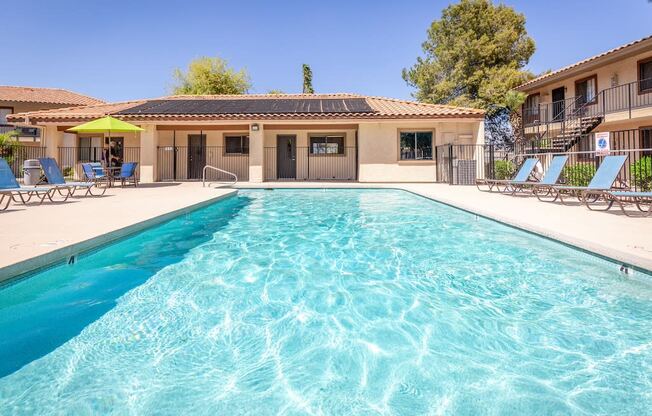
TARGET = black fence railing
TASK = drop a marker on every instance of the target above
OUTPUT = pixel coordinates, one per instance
(16, 156)
(583, 160)
(181, 163)
(622, 98)
(462, 164)
(71, 159)
(299, 163)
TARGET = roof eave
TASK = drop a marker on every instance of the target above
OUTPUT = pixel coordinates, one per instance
(578, 67)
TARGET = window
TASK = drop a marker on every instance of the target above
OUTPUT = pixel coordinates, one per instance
(645, 76)
(415, 145)
(586, 90)
(646, 141)
(4, 112)
(531, 109)
(327, 145)
(236, 144)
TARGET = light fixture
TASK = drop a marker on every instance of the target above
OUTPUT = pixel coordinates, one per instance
(254, 127)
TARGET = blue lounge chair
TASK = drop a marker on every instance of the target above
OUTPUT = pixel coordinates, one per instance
(127, 174)
(10, 189)
(623, 198)
(550, 178)
(54, 177)
(601, 182)
(522, 175)
(94, 172)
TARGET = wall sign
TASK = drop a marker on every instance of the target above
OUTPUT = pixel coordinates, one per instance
(602, 145)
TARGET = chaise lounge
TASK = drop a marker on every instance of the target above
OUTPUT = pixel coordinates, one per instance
(55, 177)
(521, 176)
(550, 177)
(10, 189)
(602, 181)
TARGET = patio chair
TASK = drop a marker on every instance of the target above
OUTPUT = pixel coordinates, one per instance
(521, 176)
(550, 177)
(94, 172)
(602, 181)
(622, 198)
(127, 174)
(54, 177)
(10, 189)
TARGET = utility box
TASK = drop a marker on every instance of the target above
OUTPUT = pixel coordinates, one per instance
(465, 172)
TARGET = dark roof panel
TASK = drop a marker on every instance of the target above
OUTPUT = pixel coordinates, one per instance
(252, 106)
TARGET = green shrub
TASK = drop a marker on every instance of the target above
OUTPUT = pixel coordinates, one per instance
(642, 173)
(579, 174)
(67, 171)
(504, 169)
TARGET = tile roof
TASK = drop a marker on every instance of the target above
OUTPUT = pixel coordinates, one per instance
(44, 95)
(382, 108)
(554, 74)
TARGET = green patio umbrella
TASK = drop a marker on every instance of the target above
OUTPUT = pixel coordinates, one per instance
(106, 124)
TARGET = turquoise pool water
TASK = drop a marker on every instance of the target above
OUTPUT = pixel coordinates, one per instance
(328, 302)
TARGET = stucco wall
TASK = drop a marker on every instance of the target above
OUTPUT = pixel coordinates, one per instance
(317, 167)
(379, 149)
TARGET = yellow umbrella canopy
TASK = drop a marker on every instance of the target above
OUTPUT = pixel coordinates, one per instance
(106, 124)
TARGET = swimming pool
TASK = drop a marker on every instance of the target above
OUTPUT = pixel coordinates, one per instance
(328, 302)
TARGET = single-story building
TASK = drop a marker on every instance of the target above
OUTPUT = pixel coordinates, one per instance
(15, 99)
(265, 137)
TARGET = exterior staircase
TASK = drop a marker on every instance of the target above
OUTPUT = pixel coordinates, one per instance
(566, 128)
(571, 133)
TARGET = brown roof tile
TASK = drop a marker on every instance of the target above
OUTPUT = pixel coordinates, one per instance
(44, 95)
(555, 74)
(383, 108)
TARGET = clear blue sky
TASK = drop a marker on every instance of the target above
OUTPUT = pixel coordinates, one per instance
(119, 49)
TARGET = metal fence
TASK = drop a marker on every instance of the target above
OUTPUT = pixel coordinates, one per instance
(462, 164)
(18, 154)
(622, 98)
(303, 165)
(71, 159)
(177, 163)
(582, 164)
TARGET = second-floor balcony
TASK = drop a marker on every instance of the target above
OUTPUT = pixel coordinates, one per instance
(625, 99)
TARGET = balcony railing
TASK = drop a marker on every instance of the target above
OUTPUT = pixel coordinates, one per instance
(623, 98)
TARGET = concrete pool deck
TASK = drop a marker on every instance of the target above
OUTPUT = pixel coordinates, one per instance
(35, 236)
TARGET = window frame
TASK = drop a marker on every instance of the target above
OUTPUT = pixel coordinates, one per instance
(530, 117)
(242, 147)
(312, 136)
(12, 109)
(647, 60)
(595, 79)
(413, 130)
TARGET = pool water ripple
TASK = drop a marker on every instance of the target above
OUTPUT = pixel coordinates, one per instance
(352, 302)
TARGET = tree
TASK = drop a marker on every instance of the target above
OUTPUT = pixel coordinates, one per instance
(474, 56)
(275, 92)
(208, 75)
(307, 80)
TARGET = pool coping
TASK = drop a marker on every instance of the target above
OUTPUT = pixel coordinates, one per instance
(618, 257)
(35, 264)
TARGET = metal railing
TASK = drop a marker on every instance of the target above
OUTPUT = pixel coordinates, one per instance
(462, 164)
(621, 98)
(182, 163)
(214, 169)
(71, 159)
(304, 165)
(16, 155)
(583, 161)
